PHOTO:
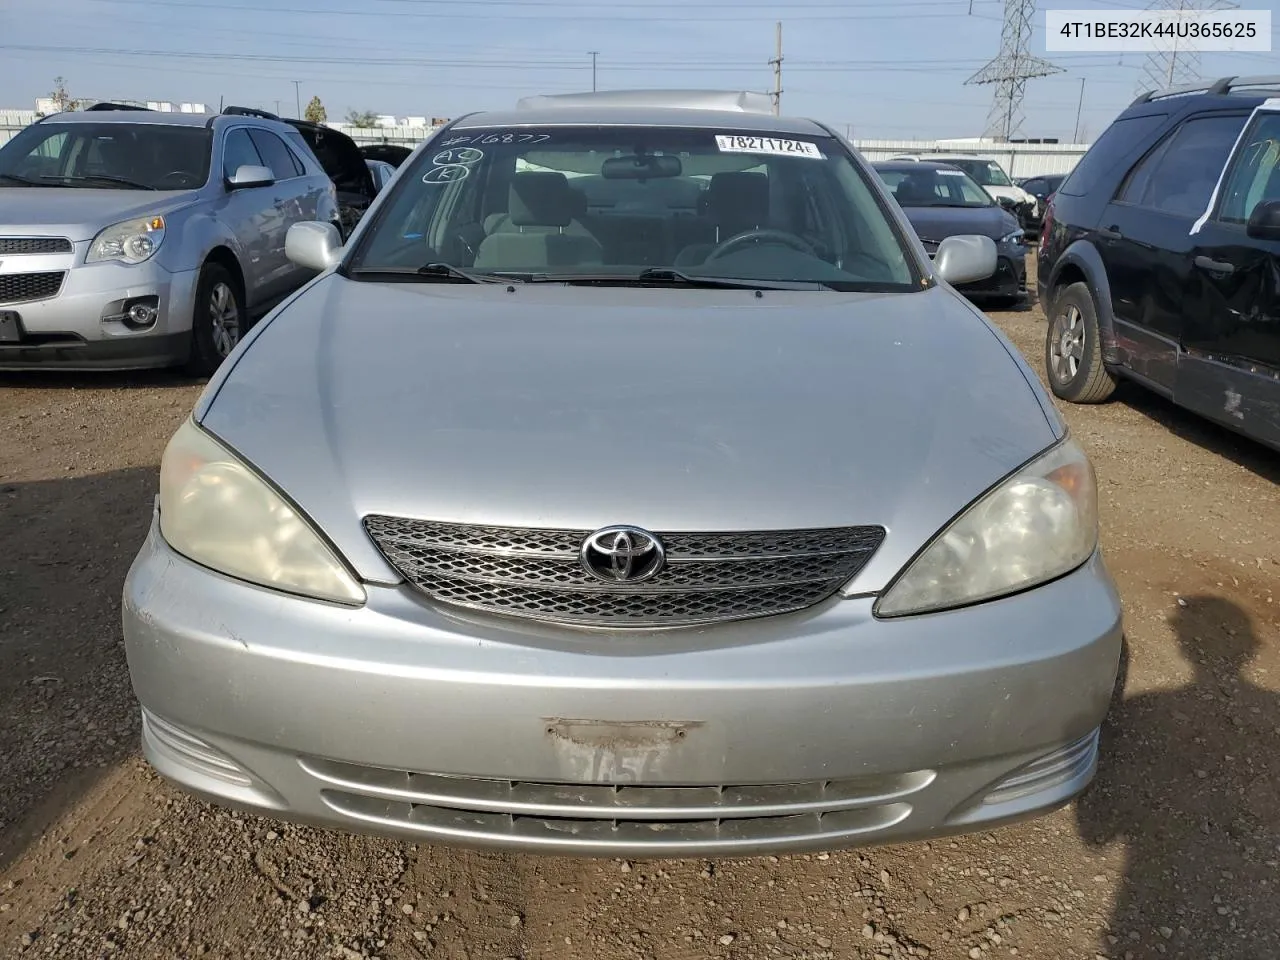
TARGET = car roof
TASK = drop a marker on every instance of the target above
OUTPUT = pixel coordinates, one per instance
(644, 116)
(130, 116)
(909, 165)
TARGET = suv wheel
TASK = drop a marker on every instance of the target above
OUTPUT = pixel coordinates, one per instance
(1073, 349)
(218, 321)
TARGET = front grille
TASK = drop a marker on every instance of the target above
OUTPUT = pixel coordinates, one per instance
(20, 245)
(20, 287)
(600, 817)
(708, 577)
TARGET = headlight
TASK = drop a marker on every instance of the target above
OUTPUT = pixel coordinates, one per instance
(1035, 525)
(1015, 237)
(219, 513)
(132, 241)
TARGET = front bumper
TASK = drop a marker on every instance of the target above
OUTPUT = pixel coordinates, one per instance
(1009, 280)
(79, 328)
(818, 730)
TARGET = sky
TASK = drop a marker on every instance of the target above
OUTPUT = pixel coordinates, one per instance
(442, 58)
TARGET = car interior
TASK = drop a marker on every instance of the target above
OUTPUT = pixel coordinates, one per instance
(564, 210)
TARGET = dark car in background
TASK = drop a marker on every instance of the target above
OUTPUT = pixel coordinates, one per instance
(1160, 257)
(941, 201)
(1042, 188)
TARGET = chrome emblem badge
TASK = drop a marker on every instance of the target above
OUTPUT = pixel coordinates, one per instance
(623, 555)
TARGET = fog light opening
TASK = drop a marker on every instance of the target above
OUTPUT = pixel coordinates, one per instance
(140, 312)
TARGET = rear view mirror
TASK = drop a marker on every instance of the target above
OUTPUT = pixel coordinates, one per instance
(641, 167)
(965, 258)
(251, 176)
(1264, 222)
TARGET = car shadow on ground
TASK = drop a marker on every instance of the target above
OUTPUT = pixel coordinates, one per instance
(1201, 431)
(96, 380)
(1193, 801)
(67, 706)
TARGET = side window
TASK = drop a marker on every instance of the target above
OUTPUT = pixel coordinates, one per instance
(1178, 177)
(1033, 185)
(274, 153)
(239, 151)
(1108, 150)
(1255, 176)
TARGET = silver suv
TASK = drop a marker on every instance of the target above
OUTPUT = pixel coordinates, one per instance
(134, 238)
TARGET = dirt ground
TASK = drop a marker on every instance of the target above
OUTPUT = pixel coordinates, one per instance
(1175, 852)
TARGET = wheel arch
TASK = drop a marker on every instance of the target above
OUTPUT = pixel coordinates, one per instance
(1081, 263)
(225, 257)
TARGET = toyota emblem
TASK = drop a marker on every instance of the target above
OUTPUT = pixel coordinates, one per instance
(623, 555)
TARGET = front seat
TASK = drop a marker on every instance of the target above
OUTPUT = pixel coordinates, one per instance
(736, 202)
(536, 232)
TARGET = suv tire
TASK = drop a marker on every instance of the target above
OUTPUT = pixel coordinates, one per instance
(218, 322)
(1073, 349)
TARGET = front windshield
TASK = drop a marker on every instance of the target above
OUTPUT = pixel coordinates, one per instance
(987, 172)
(121, 156)
(934, 187)
(612, 202)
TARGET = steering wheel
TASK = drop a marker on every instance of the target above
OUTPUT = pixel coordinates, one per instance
(735, 243)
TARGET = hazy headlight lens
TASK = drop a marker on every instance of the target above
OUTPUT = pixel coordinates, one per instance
(1038, 524)
(219, 513)
(132, 241)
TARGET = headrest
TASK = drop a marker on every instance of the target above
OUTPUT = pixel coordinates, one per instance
(913, 188)
(739, 197)
(539, 199)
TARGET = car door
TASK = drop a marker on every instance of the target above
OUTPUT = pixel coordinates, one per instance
(250, 213)
(1231, 335)
(1144, 237)
(296, 199)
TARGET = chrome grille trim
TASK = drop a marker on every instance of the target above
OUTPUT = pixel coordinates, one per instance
(709, 577)
(25, 287)
(617, 801)
(595, 818)
(18, 246)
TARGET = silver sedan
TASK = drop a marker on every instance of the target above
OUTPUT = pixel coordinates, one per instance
(630, 483)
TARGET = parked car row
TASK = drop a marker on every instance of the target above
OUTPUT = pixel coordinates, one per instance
(1159, 260)
(137, 238)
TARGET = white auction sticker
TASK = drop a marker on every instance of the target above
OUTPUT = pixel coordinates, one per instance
(734, 143)
(950, 173)
(1156, 31)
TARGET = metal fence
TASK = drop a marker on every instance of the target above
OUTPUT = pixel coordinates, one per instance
(1018, 159)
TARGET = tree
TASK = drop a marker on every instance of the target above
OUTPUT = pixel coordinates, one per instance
(315, 112)
(61, 99)
(362, 118)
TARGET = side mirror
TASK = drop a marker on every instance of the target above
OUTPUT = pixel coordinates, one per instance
(965, 258)
(249, 176)
(1008, 203)
(314, 245)
(1264, 222)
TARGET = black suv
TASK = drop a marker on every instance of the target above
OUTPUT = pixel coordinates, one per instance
(1159, 257)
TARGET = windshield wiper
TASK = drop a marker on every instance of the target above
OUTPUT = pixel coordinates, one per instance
(103, 178)
(437, 272)
(25, 181)
(674, 277)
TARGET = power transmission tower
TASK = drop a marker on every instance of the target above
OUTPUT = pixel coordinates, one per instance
(1011, 69)
(1171, 65)
(776, 63)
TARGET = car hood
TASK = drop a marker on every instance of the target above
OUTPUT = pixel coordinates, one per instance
(79, 214)
(673, 410)
(938, 223)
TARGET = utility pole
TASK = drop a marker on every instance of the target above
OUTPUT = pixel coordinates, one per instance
(594, 54)
(297, 98)
(777, 72)
(1075, 137)
(277, 108)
